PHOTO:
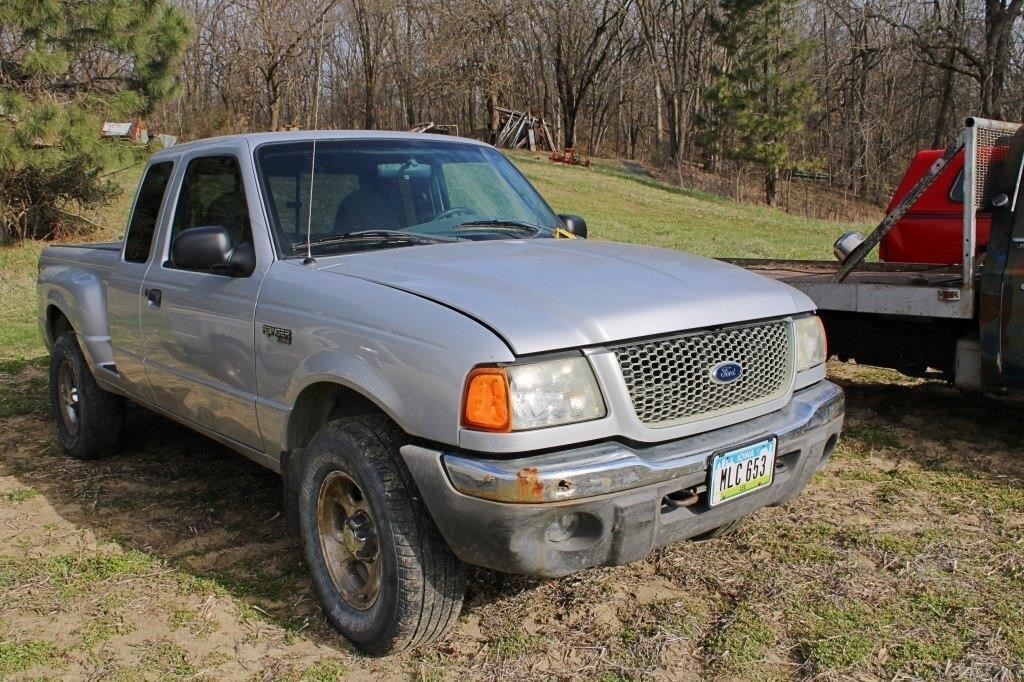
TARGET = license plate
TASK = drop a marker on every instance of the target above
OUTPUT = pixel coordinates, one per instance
(737, 472)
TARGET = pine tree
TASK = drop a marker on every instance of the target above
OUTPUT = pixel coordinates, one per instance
(65, 66)
(761, 96)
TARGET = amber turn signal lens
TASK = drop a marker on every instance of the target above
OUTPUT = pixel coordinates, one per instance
(486, 406)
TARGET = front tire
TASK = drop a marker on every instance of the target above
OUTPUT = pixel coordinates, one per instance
(90, 421)
(384, 576)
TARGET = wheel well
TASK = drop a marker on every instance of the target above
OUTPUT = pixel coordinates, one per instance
(57, 322)
(320, 403)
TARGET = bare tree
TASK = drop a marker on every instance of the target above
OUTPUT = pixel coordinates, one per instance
(673, 31)
(614, 77)
(581, 36)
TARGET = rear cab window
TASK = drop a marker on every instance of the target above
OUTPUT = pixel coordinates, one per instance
(138, 240)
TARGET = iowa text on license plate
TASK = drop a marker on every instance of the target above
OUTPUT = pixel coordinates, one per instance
(737, 472)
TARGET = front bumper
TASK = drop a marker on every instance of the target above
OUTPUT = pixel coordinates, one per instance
(497, 513)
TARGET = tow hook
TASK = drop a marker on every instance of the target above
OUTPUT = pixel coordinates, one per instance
(680, 498)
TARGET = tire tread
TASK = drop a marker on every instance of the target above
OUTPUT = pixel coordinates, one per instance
(101, 421)
(431, 579)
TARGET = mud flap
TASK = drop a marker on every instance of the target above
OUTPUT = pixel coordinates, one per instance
(290, 477)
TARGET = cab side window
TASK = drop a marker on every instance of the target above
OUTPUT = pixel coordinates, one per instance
(138, 241)
(212, 194)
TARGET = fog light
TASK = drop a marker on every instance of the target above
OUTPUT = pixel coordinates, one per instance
(563, 528)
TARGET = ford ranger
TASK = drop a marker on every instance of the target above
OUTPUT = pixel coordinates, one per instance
(443, 370)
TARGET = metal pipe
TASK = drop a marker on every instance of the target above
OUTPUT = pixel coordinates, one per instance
(970, 221)
(1001, 126)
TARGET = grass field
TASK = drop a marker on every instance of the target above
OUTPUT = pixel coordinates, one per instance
(631, 207)
(903, 559)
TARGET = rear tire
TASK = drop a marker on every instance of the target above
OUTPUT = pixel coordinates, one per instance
(90, 421)
(384, 576)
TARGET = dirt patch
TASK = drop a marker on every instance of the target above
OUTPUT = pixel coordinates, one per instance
(904, 558)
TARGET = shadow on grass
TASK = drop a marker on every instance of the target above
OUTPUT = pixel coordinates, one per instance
(23, 386)
(210, 514)
(918, 419)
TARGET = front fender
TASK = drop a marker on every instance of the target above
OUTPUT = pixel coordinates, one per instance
(408, 355)
(337, 367)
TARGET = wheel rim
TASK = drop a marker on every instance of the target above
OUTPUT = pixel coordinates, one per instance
(348, 540)
(67, 396)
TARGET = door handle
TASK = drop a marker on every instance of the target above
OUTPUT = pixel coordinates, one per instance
(154, 296)
(1018, 242)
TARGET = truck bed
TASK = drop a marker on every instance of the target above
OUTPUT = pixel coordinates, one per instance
(917, 289)
(898, 274)
(99, 257)
(101, 246)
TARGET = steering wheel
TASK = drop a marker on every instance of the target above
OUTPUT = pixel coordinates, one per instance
(455, 211)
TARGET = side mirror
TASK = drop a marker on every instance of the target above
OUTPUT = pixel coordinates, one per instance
(574, 224)
(209, 249)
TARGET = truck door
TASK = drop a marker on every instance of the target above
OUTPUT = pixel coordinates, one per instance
(125, 282)
(1001, 305)
(197, 326)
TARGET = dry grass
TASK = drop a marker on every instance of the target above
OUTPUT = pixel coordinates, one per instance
(905, 557)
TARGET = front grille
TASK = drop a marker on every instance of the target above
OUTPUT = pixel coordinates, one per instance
(670, 379)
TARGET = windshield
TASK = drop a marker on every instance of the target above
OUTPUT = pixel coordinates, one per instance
(383, 193)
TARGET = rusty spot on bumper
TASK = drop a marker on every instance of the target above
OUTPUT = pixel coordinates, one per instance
(529, 486)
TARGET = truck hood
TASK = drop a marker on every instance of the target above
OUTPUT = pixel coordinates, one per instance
(546, 294)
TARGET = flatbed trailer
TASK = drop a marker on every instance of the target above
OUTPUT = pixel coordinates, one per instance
(964, 321)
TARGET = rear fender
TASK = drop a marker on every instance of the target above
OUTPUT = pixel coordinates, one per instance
(81, 298)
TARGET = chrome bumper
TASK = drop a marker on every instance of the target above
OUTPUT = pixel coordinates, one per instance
(497, 513)
(613, 467)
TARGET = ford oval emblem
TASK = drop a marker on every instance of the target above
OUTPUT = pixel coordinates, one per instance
(726, 372)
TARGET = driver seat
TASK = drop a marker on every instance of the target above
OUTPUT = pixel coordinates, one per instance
(364, 209)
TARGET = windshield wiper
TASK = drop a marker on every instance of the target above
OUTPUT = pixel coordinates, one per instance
(498, 224)
(378, 235)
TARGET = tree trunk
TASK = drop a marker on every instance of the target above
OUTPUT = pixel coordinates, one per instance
(658, 103)
(999, 20)
(569, 114)
(771, 185)
(369, 115)
(675, 111)
(493, 116)
(275, 113)
(948, 79)
(273, 97)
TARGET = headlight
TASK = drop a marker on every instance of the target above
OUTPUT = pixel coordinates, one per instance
(530, 396)
(811, 347)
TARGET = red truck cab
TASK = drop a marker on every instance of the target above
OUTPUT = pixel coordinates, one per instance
(932, 230)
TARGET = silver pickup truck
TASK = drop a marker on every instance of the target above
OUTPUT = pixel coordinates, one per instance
(442, 370)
